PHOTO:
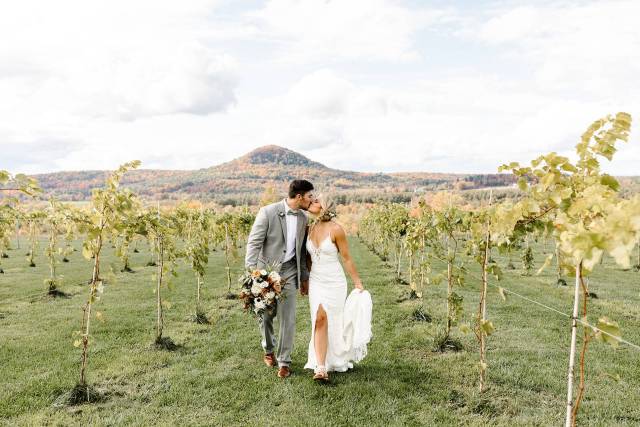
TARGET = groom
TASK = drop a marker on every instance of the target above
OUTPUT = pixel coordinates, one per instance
(279, 235)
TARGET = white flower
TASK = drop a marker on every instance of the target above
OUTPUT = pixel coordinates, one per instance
(259, 304)
(270, 295)
(256, 289)
(263, 272)
(274, 276)
(264, 284)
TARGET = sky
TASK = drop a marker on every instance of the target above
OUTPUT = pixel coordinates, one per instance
(365, 85)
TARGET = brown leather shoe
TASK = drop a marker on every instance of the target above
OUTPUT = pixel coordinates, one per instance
(269, 360)
(284, 372)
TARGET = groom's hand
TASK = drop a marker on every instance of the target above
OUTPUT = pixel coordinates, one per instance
(304, 288)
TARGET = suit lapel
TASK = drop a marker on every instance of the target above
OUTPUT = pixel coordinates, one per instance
(283, 221)
(300, 232)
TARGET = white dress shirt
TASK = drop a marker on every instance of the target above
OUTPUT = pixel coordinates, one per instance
(292, 231)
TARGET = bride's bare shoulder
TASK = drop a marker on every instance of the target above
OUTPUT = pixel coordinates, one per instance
(336, 229)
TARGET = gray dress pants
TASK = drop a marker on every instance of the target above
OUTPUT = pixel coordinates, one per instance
(285, 311)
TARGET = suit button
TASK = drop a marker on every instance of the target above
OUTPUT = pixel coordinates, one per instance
(284, 252)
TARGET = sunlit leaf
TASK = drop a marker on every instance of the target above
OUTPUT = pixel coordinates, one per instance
(610, 182)
(487, 327)
(608, 331)
(503, 293)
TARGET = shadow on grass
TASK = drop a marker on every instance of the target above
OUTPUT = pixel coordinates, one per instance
(401, 281)
(411, 295)
(57, 293)
(419, 315)
(79, 395)
(199, 317)
(52, 295)
(165, 343)
(443, 343)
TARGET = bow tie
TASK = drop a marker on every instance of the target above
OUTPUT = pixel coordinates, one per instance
(292, 212)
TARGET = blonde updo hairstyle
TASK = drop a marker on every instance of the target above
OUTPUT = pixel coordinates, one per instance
(328, 208)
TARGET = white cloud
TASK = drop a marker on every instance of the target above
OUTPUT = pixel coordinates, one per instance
(511, 25)
(41, 154)
(330, 30)
(590, 48)
(117, 60)
(320, 94)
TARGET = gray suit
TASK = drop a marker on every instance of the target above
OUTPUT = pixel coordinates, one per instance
(266, 245)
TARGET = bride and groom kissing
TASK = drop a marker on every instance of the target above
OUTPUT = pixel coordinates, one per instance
(308, 255)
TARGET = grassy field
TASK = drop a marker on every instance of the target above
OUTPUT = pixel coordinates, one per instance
(217, 377)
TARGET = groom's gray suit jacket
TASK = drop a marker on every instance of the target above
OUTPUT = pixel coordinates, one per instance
(267, 241)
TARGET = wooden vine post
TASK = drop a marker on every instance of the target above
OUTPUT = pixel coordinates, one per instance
(483, 302)
(570, 415)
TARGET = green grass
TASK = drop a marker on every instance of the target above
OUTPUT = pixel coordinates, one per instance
(217, 376)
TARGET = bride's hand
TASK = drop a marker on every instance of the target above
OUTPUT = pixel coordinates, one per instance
(359, 286)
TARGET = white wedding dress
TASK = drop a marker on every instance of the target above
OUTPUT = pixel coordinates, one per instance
(328, 287)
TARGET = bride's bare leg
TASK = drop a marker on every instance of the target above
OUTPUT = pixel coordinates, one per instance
(321, 336)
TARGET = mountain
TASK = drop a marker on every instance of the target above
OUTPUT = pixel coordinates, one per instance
(271, 155)
(244, 179)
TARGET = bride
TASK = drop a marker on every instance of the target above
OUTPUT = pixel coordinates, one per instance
(330, 348)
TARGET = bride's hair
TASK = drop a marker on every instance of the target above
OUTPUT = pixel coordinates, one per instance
(328, 208)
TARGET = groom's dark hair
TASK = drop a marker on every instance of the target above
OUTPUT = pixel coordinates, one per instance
(299, 186)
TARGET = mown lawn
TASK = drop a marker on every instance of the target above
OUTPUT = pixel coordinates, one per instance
(217, 376)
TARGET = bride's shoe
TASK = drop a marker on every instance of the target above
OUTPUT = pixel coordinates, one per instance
(321, 373)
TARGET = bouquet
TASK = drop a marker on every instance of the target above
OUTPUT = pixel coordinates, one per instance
(261, 289)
